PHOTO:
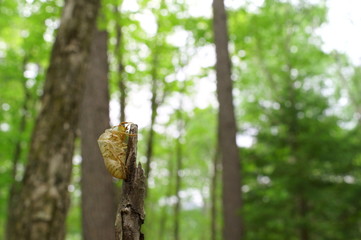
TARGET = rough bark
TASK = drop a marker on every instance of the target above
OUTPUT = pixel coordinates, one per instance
(44, 197)
(130, 213)
(98, 197)
(231, 176)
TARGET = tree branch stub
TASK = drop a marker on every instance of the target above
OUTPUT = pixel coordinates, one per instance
(130, 213)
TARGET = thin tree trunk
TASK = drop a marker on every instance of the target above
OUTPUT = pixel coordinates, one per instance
(150, 140)
(303, 210)
(14, 189)
(120, 68)
(179, 158)
(213, 190)
(130, 213)
(169, 193)
(232, 202)
(156, 100)
(154, 107)
(44, 197)
(98, 197)
(301, 202)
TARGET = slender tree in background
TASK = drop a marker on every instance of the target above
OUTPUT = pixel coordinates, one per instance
(119, 60)
(14, 189)
(154, 107)
(156, 98)
(213, 192)
(44, 197)
(98, 197)
(231, 175)
(164, 215)
(178, 180)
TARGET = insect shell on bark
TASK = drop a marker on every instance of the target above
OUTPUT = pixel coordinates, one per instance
(113, 146)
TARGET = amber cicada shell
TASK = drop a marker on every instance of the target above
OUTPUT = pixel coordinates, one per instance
(113, 146)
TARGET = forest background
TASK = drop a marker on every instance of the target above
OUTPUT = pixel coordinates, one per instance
(296, 83)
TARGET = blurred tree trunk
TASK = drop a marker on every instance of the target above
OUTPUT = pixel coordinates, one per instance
(44, 199)
(154, 107)
(98, 197)
(14, 189)
(179, 159)
(150, 140)
(119, 57)
(232, 201)
(213, 191)
(301, 164)
(156, 99)
(164, 215)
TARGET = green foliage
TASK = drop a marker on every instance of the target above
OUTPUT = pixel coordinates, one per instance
(299, 105)
(301, 156)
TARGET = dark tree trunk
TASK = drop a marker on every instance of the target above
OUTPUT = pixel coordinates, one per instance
(98, 197)
(232, 202)
(130, 213)
(44, 197)
(303, 211)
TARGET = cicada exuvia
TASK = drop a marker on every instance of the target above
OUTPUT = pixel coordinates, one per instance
(113, 144)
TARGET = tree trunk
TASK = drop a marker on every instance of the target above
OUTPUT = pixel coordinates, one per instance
(156, 100)
(164, 215)
(179, 156)
(98, 197)
(179, 166)
(303, 211)
(213, 191)
(154, 107)
(301, 201)
(14, 189)
(130, 213)
(44, 197)
(227, 129)
(120, 67)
